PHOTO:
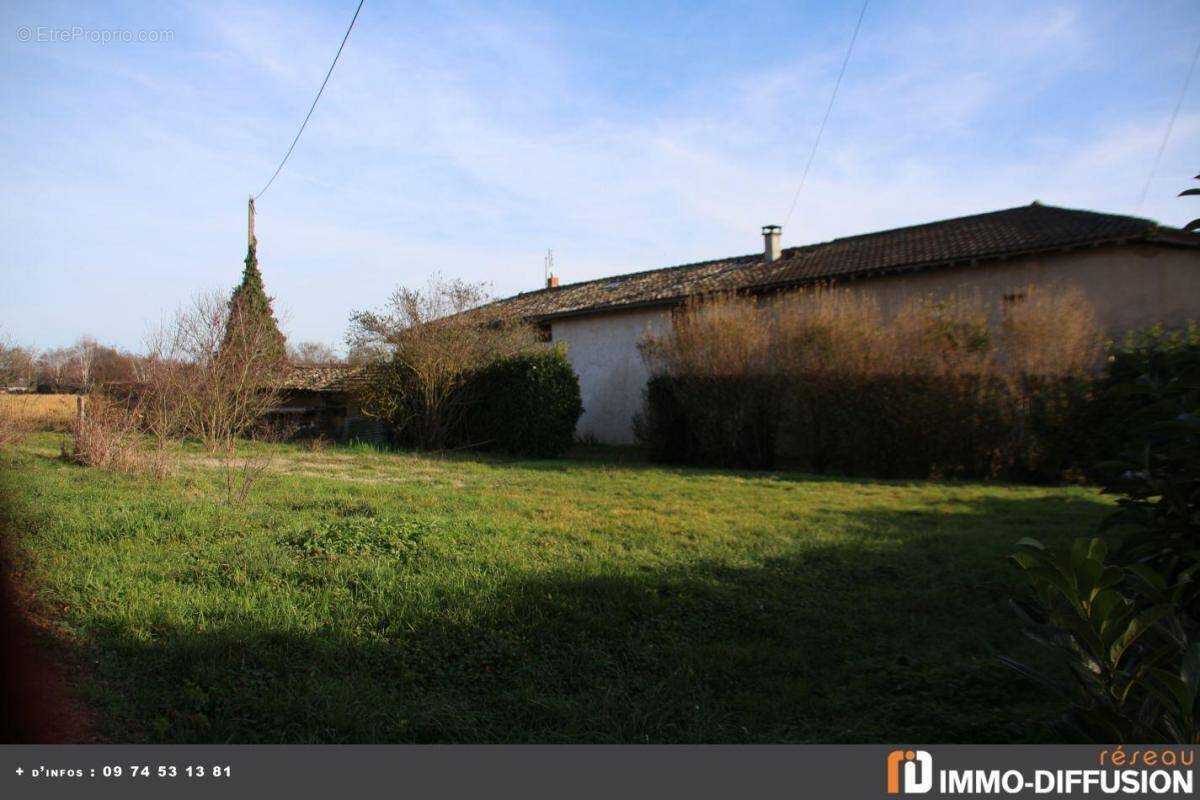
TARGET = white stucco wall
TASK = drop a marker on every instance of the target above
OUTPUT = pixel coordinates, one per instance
(603, 349)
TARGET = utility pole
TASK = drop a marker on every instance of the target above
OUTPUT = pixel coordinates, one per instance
(250, 240)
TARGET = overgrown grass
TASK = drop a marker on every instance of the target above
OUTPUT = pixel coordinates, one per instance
(47, 411)
(375, 597)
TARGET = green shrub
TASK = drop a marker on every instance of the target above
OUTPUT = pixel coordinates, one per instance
(1126, 636)
(525, 405)
(1143, 362)
(1060, 439)
(1158, 472)
(1154, 350)
(424, 347)
(1128, 629)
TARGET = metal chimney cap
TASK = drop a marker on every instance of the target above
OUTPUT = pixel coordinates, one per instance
(772, 229)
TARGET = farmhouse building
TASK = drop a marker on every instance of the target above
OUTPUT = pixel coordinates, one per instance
(1134, 272)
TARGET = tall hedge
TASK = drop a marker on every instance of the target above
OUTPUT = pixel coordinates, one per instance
(891, 426)
(825, 380)
(711, 420)
(1031, 427)
(525, 405)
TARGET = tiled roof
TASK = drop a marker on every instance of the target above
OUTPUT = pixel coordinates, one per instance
(998, 234)
(319, 378)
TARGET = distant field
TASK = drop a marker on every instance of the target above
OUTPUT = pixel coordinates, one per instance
(362, 596)
(42, 411)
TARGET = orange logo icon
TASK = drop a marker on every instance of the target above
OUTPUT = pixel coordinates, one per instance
(909, 772)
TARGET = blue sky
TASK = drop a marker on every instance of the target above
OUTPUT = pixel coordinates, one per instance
(468, 138)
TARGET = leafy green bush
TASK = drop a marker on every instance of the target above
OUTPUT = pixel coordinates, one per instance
(424, 347)
(1129, 629)
(525, 404)
(1144, 362)
(1059, 438)
(1159, 472)
(1155, 350)
(1127, 637)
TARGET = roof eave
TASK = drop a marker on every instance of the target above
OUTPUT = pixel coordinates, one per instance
(608, 307)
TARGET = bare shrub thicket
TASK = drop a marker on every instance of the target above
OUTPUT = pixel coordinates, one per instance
(312, 353)
(209, 377)
(212, 375)
(825, 378)
(204, 377)
(240, 469)
(108, 435)
(18, 365)
(84, 365)
(423, 347)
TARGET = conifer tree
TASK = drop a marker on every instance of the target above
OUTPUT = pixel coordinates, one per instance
(251, 318)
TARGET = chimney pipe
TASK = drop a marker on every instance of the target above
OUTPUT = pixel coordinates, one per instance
(771, 251)
(552, 281)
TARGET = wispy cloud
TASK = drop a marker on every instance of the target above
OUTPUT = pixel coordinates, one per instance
(468, 139)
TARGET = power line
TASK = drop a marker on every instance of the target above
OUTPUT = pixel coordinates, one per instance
(1162, 146)
(314, 102)
(828, 109)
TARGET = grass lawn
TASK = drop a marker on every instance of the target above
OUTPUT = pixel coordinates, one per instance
(360, 596)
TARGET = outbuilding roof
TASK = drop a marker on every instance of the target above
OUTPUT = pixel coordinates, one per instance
(319, 377)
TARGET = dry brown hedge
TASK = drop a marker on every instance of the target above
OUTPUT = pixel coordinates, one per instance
(825, 380)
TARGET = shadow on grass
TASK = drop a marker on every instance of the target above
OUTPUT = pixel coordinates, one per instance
(891, 637)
